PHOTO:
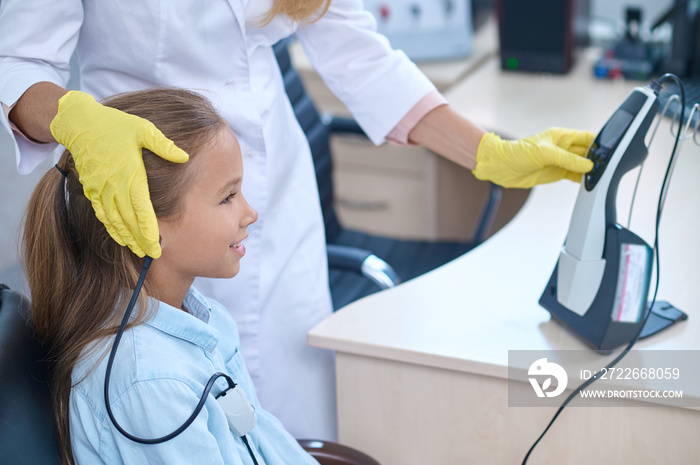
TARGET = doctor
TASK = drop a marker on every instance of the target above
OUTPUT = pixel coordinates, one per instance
(223, 49)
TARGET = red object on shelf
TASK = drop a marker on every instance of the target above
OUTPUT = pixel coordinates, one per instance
(615, 73)
(384, 11)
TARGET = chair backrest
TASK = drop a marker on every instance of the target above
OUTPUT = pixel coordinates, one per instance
(317, 134)
(27, 429)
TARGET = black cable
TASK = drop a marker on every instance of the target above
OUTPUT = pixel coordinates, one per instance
(250, 451)
(207, 389)
(656, 85)
(127, 314)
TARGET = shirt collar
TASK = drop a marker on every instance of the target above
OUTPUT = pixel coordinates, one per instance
(191, 325)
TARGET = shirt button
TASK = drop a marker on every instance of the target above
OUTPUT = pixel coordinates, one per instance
(232, 82)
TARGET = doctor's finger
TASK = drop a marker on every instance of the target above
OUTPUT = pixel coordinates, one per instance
(145, 219)
(582, 138)
(121, 220)
(156, 142)
(102, 217)
(575, 177)
(575, 163)
(578, 150)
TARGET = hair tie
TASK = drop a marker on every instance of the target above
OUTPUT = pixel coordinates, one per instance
(65, 175)
(65, 184)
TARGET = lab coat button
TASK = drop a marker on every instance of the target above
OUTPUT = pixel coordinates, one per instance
(232, 82)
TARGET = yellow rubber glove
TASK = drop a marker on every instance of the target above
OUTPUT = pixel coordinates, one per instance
(106, 145)
(547, 156)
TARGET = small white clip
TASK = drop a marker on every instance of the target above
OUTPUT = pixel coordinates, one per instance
(240, 414)
(66, 195)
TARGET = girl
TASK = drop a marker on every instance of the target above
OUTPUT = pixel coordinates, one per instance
(81, 281)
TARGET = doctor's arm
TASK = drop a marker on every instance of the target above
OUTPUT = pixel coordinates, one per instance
(106, 144)
(35, 109)
(380, 86)
(548, 156)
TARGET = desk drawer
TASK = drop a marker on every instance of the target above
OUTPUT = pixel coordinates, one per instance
(382, 203)
(381, 190)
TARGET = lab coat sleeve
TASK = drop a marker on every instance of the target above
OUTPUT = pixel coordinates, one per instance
(377, 84)
(147, 409)
(38, 39)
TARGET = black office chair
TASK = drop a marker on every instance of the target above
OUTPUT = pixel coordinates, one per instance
(27, 430)
(354, 269)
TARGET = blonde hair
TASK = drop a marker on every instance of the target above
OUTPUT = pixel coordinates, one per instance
(76, 271)
(297, 10)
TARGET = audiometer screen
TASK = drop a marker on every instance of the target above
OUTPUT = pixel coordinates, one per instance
(613, 131)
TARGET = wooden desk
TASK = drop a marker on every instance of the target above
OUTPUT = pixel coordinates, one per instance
(422, 368)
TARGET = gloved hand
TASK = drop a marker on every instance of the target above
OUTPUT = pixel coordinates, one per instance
(547, 156)
(106, 145)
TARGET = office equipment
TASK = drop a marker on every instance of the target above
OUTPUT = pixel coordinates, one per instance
(684, 47)
(425, 29)
(539, 35)
(631, 57)
(629, 60)
(600, 284)
(683, 54)
(621, 137)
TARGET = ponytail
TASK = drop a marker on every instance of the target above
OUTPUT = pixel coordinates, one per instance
(49, 263)
(73, 297)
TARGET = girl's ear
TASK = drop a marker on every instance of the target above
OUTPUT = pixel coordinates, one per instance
(167, 229)
(163, 229)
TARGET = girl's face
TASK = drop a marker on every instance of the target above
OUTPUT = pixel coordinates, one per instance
(207, 239)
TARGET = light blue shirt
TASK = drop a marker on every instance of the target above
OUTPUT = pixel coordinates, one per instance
(158, 376)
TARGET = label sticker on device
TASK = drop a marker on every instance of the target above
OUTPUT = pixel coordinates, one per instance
(632, 283)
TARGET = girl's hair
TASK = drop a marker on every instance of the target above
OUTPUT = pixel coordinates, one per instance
(297, 10)
(78, 275)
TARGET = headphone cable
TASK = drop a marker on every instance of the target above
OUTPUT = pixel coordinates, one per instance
(207, 389)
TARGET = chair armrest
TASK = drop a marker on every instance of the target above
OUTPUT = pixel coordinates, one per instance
(488, 214)
(331, 453)
(362, 262)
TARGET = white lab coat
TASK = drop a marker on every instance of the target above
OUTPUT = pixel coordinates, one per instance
(214, 47)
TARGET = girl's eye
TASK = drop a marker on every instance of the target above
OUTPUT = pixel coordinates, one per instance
(228, 198)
